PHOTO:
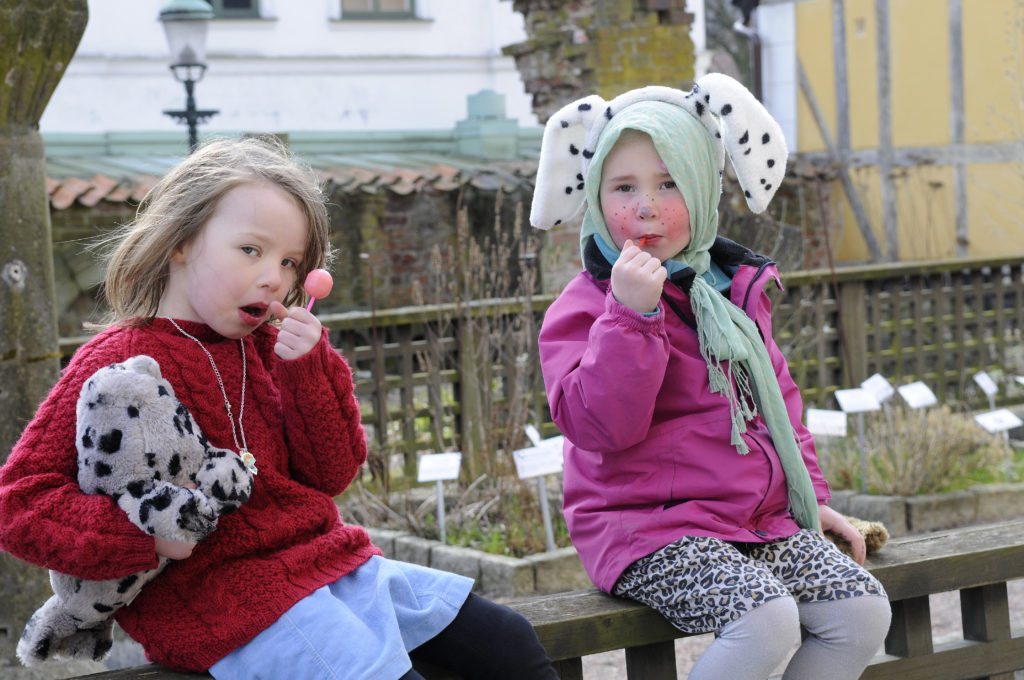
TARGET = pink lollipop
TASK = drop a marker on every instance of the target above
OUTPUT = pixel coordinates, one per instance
(318, 284)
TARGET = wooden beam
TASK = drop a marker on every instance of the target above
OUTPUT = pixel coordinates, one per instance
(842, 168)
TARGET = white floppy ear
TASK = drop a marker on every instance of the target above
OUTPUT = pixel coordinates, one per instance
(752, 138)
(558, 192)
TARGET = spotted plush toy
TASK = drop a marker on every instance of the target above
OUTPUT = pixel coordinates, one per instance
(138, 445)
(739, 125)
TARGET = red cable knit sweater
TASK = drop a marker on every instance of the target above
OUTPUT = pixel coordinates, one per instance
(301, 422)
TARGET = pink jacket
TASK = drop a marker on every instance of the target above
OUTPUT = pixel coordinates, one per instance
(647, 452)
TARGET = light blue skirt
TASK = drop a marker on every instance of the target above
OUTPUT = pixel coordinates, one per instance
(361, 626)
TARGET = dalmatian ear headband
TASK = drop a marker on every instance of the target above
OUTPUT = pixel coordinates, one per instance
(739, 124)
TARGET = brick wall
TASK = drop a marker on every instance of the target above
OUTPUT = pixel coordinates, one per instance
(581, 47)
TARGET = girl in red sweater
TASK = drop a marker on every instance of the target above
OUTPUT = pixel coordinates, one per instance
(282, 588)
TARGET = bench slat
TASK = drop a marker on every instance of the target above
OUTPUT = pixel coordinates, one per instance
(950, 560)
(952, 661)
(975, 560)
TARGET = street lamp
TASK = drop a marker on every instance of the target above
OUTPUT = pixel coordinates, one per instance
(185, 23)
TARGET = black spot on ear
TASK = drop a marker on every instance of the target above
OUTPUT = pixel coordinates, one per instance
(102, 469)
(700, 109)
(608, 113)
(564, 123)
(127, 582)
(133, 412)
(588, 154)
(771, 163)
(584, 107)
(767, 187)
(765, 138)
(110, 442)
(727, 109)
(747, 194)
(573, 150)
(718, 135)
(745, 138)
(568, 190)
(162, 391)
(579, 176)
(707, 97)
(580, 186)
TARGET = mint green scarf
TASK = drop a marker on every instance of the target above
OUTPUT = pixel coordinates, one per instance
(739, 367)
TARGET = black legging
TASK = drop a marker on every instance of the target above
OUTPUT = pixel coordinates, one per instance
(486, 641)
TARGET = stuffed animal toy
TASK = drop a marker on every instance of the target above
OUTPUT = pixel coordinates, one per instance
(138, 445)
(875, 535)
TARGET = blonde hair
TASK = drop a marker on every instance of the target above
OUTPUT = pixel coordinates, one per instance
(177, 208)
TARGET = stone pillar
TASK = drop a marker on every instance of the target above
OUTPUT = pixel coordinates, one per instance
(39, 39)
(605, 47)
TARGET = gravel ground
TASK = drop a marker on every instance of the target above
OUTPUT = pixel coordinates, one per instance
(945, 610)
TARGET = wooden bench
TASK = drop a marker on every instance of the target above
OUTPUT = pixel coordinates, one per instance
(976, 561)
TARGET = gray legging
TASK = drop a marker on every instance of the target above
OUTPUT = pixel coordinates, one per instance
(843, 636)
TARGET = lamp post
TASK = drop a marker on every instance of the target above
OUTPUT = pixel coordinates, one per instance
(185, 23)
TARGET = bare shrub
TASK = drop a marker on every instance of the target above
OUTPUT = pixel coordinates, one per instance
(482, 379)
(913, 451)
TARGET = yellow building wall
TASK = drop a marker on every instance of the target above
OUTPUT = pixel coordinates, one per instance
(861, 70)
(919, 67)
(852, 246)
(814, 50)
(921, 116)
(993, 39)
(995, 209)
(926, 212)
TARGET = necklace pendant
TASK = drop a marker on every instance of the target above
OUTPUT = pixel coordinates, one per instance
(248, 459)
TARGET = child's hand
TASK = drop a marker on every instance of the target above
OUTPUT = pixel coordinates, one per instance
(637, 278)
(175, 550)
(300, 331)
(836, 523)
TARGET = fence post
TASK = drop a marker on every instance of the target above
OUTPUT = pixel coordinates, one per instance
(852, 322)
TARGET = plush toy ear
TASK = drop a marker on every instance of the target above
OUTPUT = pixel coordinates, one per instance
(751, 137)
(558, 194)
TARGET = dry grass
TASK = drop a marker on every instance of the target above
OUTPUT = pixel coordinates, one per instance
(911, 452)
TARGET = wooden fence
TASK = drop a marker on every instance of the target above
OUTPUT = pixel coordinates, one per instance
(939, 322)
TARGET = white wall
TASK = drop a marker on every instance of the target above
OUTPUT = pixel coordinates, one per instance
(776, 24)
(300, 67)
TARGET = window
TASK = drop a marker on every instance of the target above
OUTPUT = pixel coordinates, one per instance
(378, 9)
(235, 9)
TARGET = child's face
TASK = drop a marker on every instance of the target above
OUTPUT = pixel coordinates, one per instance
(639, 198)
(243, 258)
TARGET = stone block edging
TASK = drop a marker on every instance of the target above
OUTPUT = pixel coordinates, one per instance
(904, 515)
(495, 575)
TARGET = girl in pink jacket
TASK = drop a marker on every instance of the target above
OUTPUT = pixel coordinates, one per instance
(691, 484)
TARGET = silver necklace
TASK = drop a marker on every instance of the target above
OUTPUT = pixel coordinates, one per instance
(243, 450)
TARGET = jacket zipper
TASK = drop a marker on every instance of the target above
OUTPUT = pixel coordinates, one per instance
(760, 270)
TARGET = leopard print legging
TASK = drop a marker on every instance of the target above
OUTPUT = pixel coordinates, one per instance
(700, 583)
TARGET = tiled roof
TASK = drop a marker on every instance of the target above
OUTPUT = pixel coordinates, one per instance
(88, 180)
